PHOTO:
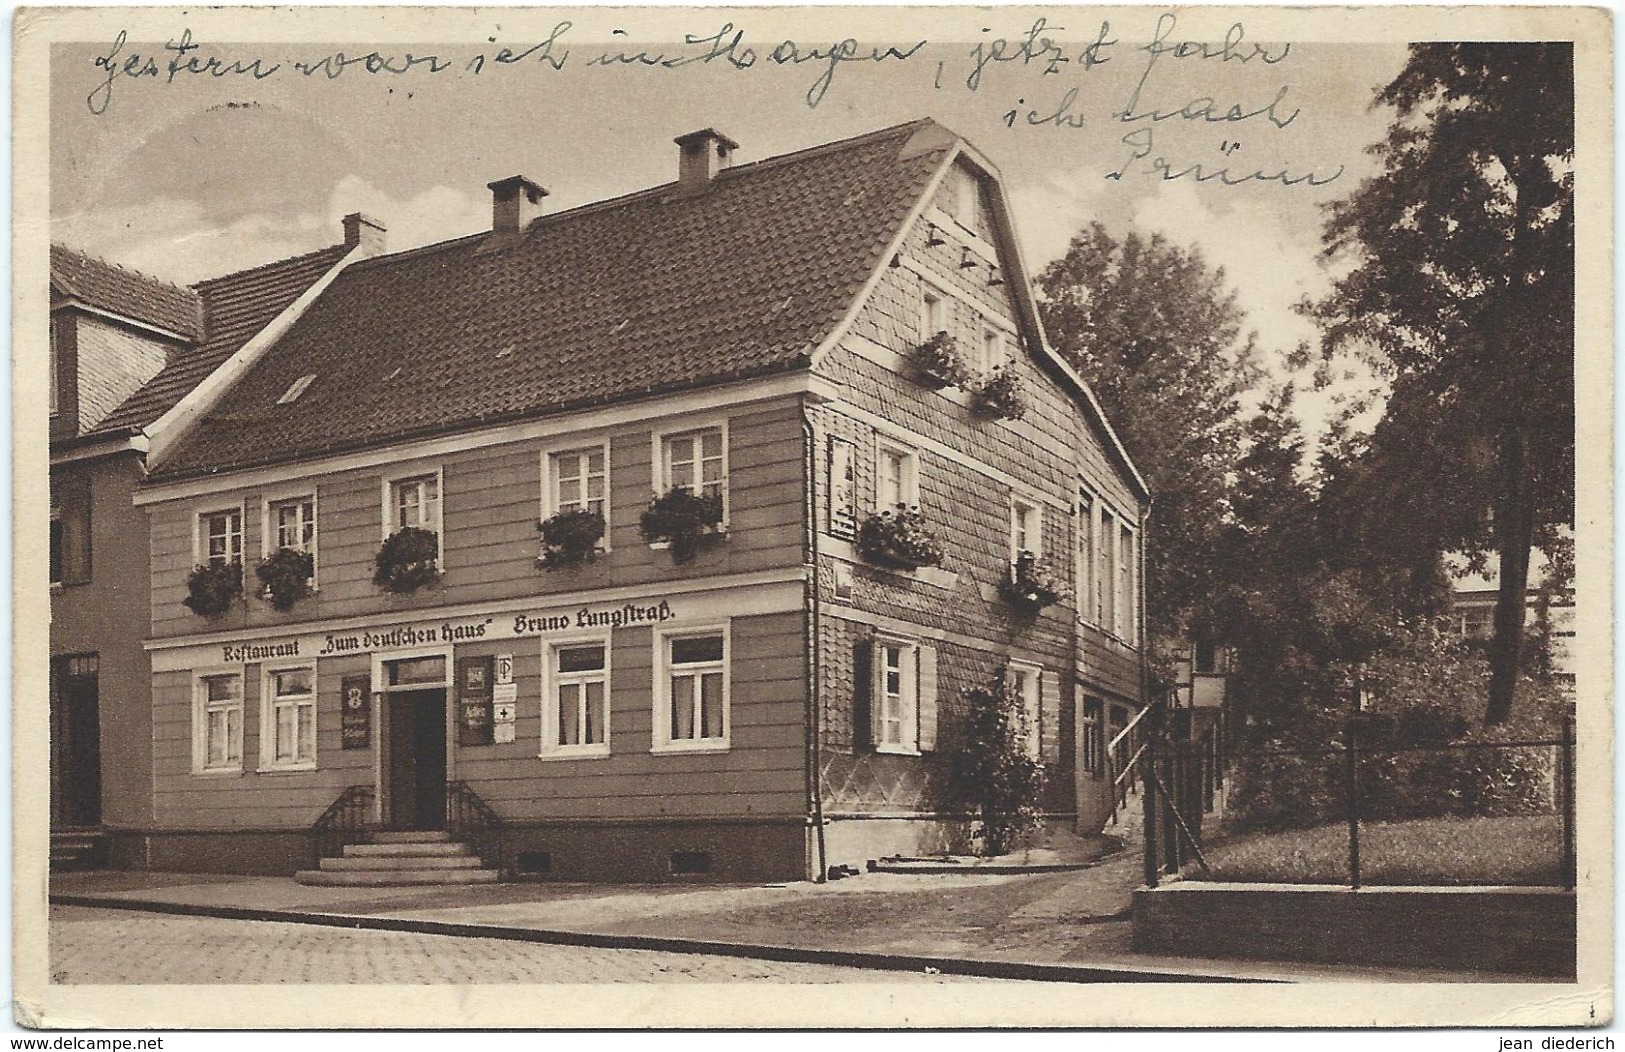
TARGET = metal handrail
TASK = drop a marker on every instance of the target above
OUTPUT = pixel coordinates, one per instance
(469, 818)
(346, 816)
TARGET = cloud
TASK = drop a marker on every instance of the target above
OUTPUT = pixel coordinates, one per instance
(174, 239)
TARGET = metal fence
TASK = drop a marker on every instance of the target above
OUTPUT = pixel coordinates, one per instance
(1369, 809)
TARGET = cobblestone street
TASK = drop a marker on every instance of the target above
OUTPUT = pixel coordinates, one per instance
(91, 946)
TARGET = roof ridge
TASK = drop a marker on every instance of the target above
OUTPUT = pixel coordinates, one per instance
(197, 286)
(659, 189)
(131, 271)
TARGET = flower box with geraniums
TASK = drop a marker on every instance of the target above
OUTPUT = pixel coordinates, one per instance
(937, 363)
(1030, 585)
(213, 587)
(570, 538)
(899, 538)
(1000, 394)
(408, 560)
(285, 577)
(682, 519)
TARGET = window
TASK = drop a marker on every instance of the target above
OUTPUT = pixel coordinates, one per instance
(576, 717)
(692, 702)
(288, 719)
(1024, 680)
(221, 537)
(1124, 750)
(1106, 578)
(291, 524)
(50, 369)
(933, 314)
(896, 697)
(56, 543)
(843, 501)
(695, 461)
(579, 480)
(1026, 529)
(415, 500)
(217, 743)
(992, 350)
(1086, 558)
(965, 200)
(896, 478)
(1094, 743)
(1128, 600)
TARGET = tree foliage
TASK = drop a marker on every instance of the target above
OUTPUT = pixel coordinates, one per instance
(1162, 342)
(1460, 291)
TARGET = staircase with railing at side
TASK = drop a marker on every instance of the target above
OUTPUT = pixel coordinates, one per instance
(352, 852)
(473, 821)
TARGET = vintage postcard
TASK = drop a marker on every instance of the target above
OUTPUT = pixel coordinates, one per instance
(904, 512)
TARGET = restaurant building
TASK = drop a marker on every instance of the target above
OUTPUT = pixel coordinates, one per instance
(663, 536)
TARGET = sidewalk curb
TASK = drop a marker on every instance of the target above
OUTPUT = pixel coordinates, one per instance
(986, 969)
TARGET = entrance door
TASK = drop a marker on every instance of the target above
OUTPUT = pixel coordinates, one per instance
(76, 742)
(416, 762)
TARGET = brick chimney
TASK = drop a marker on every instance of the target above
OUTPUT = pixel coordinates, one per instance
(516, 202)
(366, 232)
(703, 154)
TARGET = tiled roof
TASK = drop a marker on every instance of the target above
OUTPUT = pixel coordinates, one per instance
(652, 292)
(127, 293)
(235, 308)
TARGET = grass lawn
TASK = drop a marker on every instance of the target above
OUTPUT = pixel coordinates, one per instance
(1523, 850)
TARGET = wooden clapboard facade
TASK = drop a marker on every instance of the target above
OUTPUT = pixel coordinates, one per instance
(774, 705)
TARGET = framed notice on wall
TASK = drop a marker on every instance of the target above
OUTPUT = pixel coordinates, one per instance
(355, 712)
(474, 675)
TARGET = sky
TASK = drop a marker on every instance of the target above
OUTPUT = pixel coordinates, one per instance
(200, 174)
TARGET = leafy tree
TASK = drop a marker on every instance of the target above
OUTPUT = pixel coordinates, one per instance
(1162, 343)
(991, 774)
(1461, 292)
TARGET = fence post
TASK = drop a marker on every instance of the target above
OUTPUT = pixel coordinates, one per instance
(1149, 759)
(1570, 862)
(1352, 790)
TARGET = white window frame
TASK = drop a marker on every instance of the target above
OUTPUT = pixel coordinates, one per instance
(200, 724)
(1127, 582)
(550, 749)
(933, 311)
(1092, 736)
(967, 198)
(268, 717)
(550, 480)
(908, 716)
(1028, 679)
(268, 526)
(1026, 517)
(1086, 557)
(662, 741)
(910, 475)
(387, 504)
(1106, 580)
(994, 349)
(658, 449)
(200, 534)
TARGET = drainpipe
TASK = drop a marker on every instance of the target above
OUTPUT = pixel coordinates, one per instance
(815, 793)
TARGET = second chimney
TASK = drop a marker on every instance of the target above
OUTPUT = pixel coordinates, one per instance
(516, 202)
(703, 154)
(364, 232)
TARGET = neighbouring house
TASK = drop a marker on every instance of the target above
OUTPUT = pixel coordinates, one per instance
(1548, 612)
(125, 351)
(660, 537)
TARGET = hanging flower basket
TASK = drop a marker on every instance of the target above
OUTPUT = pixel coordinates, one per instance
(1000, 394)
(1030, 586)
(899, 538)
(285, 577)
(937, 363)
(408, 560)
(213, 587)
(682, 519)
(570, 538)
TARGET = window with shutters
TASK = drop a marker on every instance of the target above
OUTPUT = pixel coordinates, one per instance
(288, 719)
(902, 696)
(691, 695)
(575, 716)
(217, 723)
(843, 500)
(1025, 680)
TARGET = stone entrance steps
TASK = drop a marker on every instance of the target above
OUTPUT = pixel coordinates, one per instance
(401, 859)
